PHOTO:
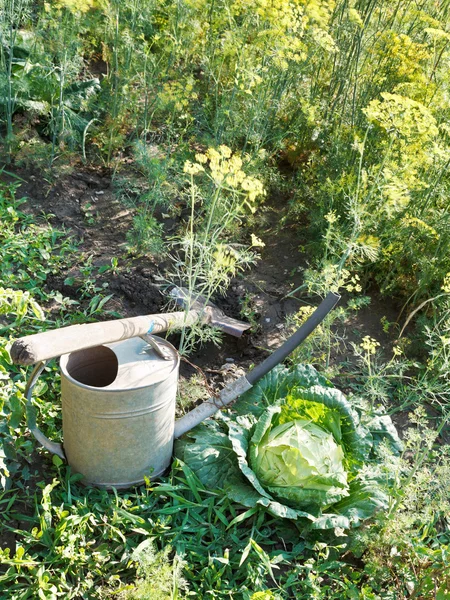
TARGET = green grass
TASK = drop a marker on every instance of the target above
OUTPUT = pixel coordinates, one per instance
(175, 539)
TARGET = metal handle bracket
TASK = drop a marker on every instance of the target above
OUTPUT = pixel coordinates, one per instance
(53, 447)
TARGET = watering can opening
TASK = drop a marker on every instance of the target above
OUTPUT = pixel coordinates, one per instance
(96, 367)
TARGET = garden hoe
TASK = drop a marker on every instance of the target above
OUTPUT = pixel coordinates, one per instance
(49, 344)
(119, 384)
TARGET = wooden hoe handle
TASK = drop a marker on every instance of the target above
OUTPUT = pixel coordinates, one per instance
(43, 346)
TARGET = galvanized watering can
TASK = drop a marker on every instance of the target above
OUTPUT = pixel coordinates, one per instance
(118, 398)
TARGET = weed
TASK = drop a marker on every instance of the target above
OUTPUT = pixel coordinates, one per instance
(158, 576)
(249, 312)
(406, 548)
(190, 391)
(146, 236)
(12, 16)
(31, 251)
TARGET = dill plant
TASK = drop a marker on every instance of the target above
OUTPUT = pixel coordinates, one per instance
(405, 550)
(124, 35)
(154, 191)
(49, 84)
(220, 195)
(159, 577)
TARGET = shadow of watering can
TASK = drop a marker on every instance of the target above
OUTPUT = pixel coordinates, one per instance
(118, 390)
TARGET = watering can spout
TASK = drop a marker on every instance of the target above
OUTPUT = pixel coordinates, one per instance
(244, 383)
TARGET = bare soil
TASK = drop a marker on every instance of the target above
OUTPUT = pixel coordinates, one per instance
(84, 203)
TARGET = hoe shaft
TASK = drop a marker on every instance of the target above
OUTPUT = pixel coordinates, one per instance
(43, 346)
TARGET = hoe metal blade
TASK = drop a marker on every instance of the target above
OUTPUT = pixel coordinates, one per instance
(210, 313)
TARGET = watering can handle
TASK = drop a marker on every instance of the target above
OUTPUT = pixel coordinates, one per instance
(53, 447)
(42, 346)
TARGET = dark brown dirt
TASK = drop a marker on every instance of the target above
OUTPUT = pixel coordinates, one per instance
(84, 203)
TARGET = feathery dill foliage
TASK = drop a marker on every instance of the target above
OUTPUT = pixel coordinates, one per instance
(354, 95)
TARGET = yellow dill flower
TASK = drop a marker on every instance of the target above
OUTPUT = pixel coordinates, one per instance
(437, 34)
(253, 187)
(225, 257)
(369, 344)
(225, 170)
(355, 17)
(213, 155)
(257, 242)
(74, 6)
(225, 151)
(217, 175)
(192, 168)
(446, 284)
(406, 117)
(235, 164)
(419, 224)
(201, 158)
(302, 315)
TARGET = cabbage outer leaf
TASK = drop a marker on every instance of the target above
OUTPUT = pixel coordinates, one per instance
(207, 450)
(275, 385)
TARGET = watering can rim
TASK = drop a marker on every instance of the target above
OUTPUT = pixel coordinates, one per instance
(101, 390)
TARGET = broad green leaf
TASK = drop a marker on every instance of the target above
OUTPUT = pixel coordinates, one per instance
(275, 385)
(208, 452)
(383, 429)
(363, 501)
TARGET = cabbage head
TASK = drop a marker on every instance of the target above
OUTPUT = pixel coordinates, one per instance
(296, 446)
(299, 460)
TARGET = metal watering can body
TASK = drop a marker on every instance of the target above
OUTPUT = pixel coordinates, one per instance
(118, 409)
(118, 412)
